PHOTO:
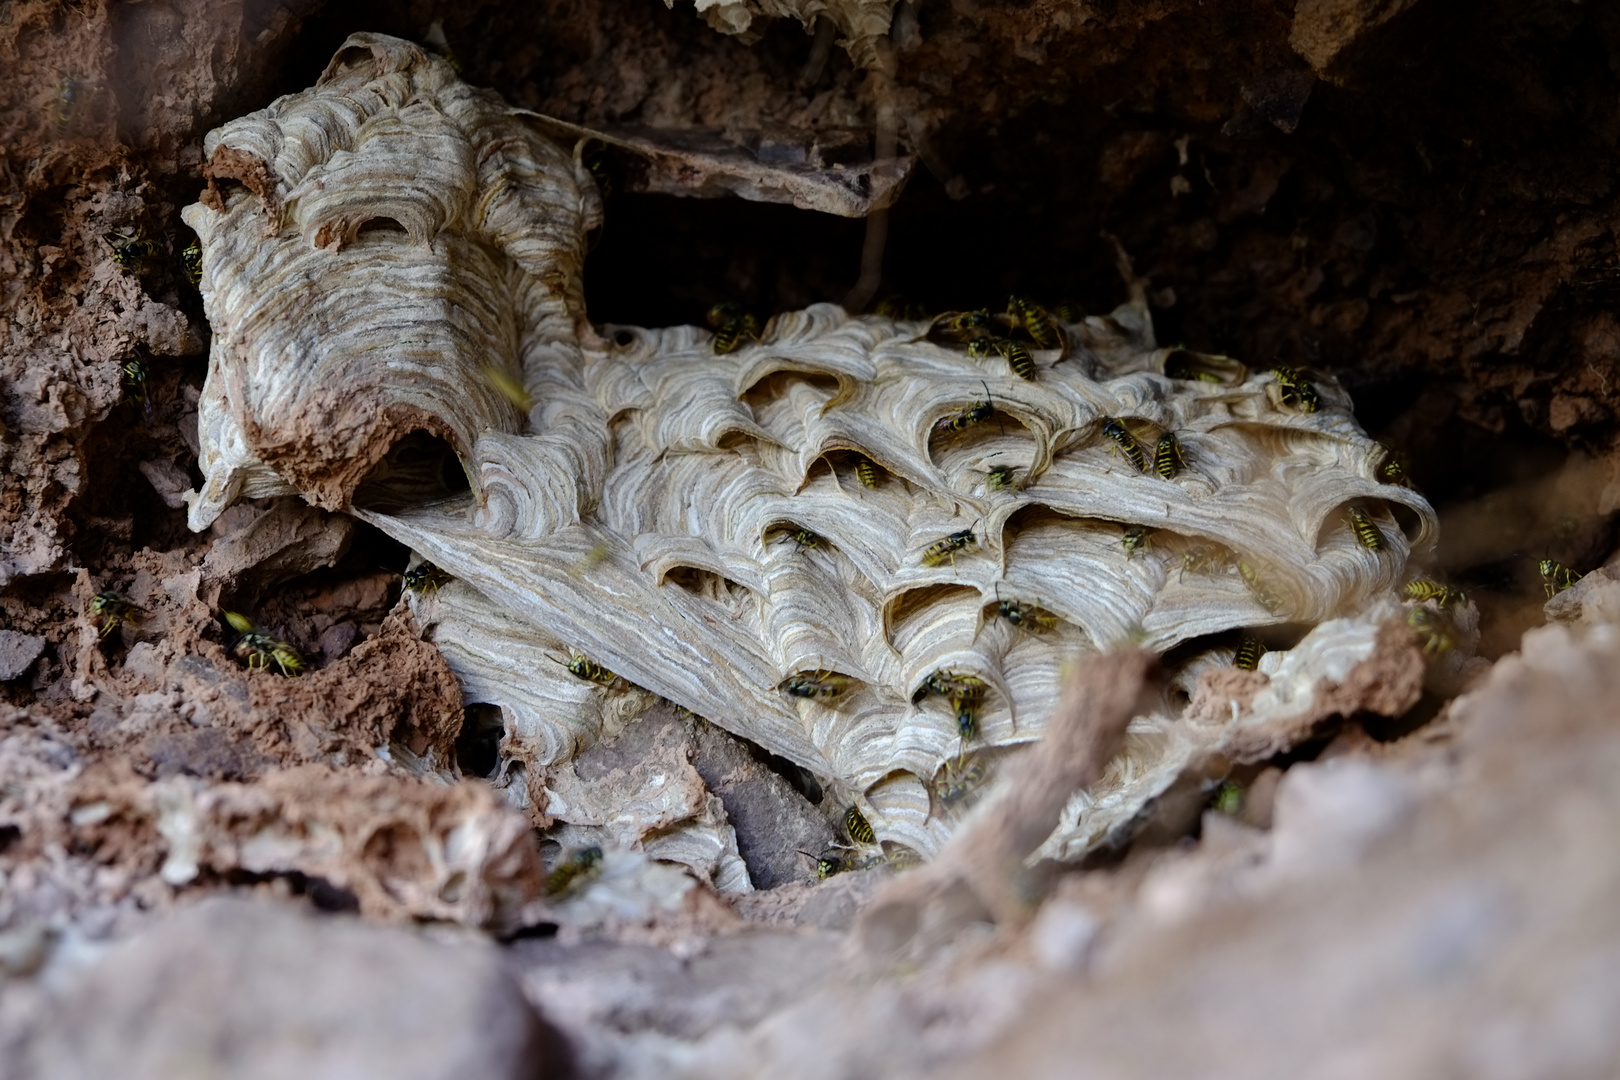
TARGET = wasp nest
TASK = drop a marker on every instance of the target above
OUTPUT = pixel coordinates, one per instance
(867, 545)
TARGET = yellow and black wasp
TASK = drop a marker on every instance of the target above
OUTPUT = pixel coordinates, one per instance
(191, 259)
(1249, 652)
(819, 684)
(827, 863)
(1031, 617)
(976, 412)
(1392, 470)
(1016, 355)
(1432, 628)
(1069, 311)
(866, 471)
(1256, 583)
(129, 249)
(1421, 589)
(1291, 390)
(582, 667)
(110, 610)
(960, 327)
(1556, 577)
(1361, 523)
(257, 649)
(951, 684)
(1136, 538)
(425, 577)
(859, 829)
(804, 538)
(65, 104)
(1126, 443)
(1168, 459)
(731, 324)
(900, 309)
(1002, 476)
(949, 547)
(573, 868)
(1035, 322)
(959, 777)
(136, 379)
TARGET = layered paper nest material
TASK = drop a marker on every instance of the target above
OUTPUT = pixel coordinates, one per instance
(400, 245)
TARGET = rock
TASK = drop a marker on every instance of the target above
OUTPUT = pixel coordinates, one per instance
(772, 820)
(250, 990)
(18, 653)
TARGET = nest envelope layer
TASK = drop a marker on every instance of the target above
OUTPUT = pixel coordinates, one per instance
(400, 245)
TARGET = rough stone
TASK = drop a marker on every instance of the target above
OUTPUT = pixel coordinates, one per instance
(18, 653)
(250, 990)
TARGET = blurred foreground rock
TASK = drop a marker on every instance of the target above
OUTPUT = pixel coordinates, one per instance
(234, 988)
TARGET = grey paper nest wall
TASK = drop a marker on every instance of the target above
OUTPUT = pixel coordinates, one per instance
(695, 522)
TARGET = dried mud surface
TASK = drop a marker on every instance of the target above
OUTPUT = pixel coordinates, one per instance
(1417, 197)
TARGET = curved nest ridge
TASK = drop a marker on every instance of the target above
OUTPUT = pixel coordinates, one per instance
(816, 541)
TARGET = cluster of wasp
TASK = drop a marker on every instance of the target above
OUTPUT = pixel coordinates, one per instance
(253, 645)
(131, 250)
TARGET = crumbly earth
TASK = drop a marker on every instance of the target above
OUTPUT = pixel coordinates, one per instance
(1418, 197)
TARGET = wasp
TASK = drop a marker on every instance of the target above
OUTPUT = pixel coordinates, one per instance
(191, 259)
(1249, 652)
(951, 684)
(128, 249)
(976, 412)
(731, 323)
(802, 537)
(827, 863)
(1016, 355)
(1392, 470)
(1069, 311)
(1036, 323)
(1432, 628)
(582, 667)
(859, 829)
(1293, 391)
(424, 577)
(960, 327)
(596, 163)
(1200, 560)
(573, 868)
(967, 721)
(1556, 577)
(1126, 443)
(1136, 538)
(816, 685)
(1189, 366)
(66, 103)
(957, 543)
(866, 471)
(258, 649)
(509, 386)
(1002, 476)
(1228, 798)
(956, 779)
(1257, 587)
(899, 308)
(1362, 525)
(1167, 456)
(110, 610)
(1421, 589)
(135, 378)
(1025, 616)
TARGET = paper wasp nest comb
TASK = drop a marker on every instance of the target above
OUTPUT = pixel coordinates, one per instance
(700, 525)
